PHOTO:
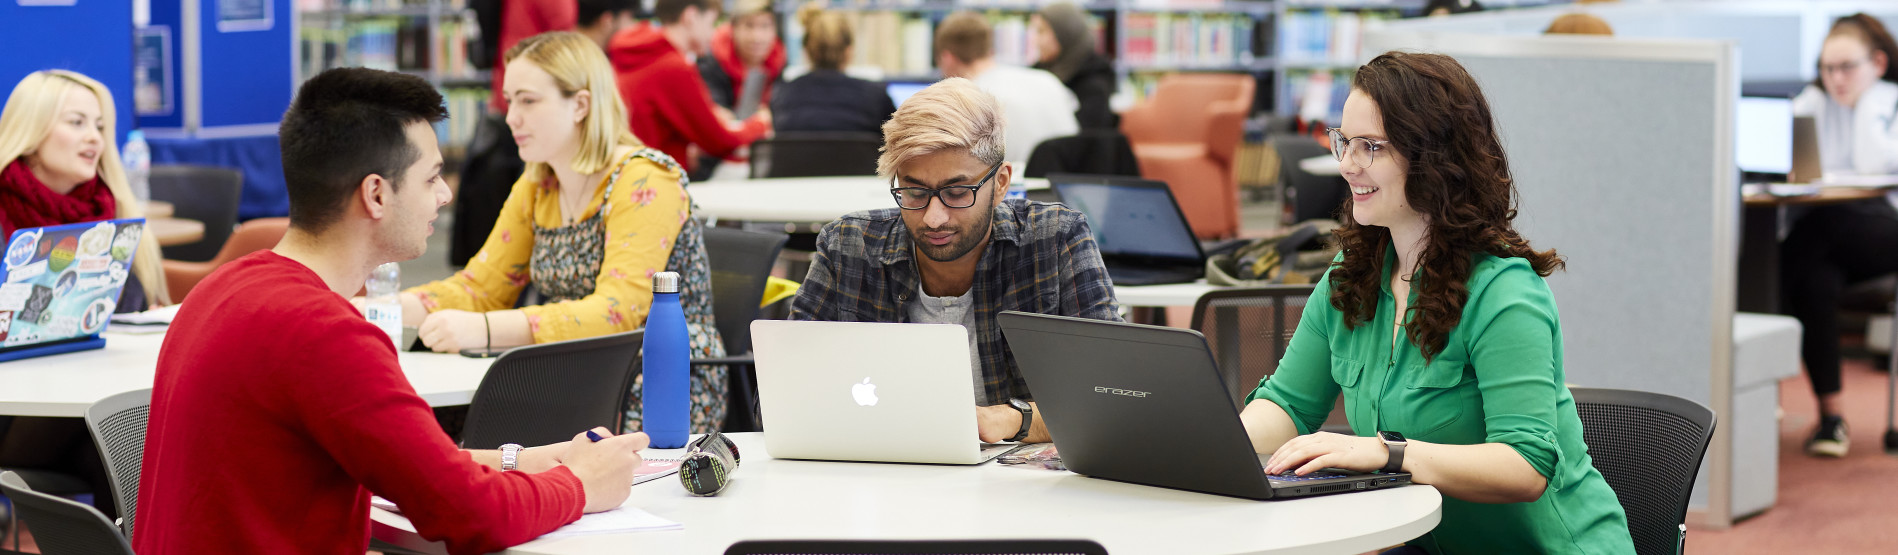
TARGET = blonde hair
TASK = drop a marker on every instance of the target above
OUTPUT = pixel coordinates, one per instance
(965, 35)
(827, 35)
(27, 121)
(1579, 24)
(577, 64)
(951, 114)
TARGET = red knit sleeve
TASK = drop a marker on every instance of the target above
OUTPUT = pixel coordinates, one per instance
(370, 420)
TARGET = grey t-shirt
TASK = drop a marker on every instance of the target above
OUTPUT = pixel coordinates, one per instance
(953, 310)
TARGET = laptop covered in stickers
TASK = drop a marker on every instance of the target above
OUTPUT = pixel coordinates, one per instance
(61, 283)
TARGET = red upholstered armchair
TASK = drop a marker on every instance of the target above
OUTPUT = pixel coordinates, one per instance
(1187, 134)
(252, 236)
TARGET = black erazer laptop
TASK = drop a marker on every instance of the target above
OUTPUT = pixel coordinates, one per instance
(1146, 405)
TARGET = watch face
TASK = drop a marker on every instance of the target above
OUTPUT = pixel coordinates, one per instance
(1019, 404)
(1392, 437)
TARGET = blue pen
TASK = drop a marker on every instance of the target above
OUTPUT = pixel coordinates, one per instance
(594, 436)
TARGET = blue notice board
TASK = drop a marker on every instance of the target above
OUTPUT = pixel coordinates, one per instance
(93, 38)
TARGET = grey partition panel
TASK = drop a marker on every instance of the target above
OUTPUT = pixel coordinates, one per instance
(1622, 154)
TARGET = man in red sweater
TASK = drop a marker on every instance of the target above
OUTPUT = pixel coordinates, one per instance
(278, 408)
(669, 105)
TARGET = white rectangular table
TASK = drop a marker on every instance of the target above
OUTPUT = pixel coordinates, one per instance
(791, 499)
(65, 384)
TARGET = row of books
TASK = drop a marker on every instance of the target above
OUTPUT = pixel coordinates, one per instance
(1192, 39)
(465, 107)
(386, 43)
(1325, 37)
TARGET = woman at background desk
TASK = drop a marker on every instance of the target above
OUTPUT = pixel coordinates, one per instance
(1065, 44)
(594, 217)
(826, 99)
(1853, 105)
(1437, 327)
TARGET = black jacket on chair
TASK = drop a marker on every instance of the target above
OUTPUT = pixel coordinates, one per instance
(828, 100)
(1094, 151)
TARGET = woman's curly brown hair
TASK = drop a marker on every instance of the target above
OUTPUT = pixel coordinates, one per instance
(1437, 120)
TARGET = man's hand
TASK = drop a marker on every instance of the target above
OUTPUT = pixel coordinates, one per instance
(997, 423)
(1307, 453)
(450, 331)
(605, 467)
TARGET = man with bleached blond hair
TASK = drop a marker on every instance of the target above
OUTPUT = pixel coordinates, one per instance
(955, 251)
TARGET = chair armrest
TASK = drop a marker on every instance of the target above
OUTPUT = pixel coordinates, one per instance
(1224, 129)
(1141, 123)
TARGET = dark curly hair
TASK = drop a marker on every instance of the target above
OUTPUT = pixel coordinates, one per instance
(1437, 120)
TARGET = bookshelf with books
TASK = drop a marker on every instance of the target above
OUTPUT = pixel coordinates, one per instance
(425, 38)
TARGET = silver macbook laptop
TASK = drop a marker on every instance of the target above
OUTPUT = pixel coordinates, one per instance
(871, 392)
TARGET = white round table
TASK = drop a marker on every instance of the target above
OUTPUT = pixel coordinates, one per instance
(1320, 165)
(65, 384)
(798, 199)
(789, 499)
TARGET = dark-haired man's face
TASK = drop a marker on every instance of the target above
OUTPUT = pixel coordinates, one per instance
(409, 211)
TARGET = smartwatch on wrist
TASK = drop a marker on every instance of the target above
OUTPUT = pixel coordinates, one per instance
(510, 456)
(1395, 442)
(1027, 417)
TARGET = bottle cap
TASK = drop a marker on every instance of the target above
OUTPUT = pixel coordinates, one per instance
(665, 282)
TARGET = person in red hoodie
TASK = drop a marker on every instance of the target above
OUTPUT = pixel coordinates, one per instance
(748, 42)
(670, 106)
(525, 18)
(278, 408)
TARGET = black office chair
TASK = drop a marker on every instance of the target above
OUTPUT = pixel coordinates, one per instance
(203, 193)
(816, 153)
(907, 547)
(118, 425)
(1306, 196)
(741, 263)
(63, 526)
(546, 393)
(1648, 446)
(1094, 151)
(1248, 329)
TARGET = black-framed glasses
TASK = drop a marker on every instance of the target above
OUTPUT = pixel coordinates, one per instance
(953, 196)
(1361, 151)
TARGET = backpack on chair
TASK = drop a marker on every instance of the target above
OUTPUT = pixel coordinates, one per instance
(1298, 256)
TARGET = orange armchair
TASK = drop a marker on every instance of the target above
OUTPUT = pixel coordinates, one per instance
(1187, 134)
(252, 236)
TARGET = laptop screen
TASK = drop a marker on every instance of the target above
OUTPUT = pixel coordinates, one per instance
(901, 90)
(63, 281)
(1763, 134)
(1132, 220)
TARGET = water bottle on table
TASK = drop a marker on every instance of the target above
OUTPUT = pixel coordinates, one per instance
(667, 366)
(384, 307)
(138, 165)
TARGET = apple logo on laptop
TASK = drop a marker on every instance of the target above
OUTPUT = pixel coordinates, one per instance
(865, 393)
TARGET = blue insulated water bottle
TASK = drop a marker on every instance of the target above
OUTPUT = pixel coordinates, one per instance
(667, 364)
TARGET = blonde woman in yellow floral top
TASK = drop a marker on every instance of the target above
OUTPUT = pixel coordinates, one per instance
(593, 218)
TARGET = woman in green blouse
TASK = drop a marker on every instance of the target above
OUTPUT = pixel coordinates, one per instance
(1466, 389)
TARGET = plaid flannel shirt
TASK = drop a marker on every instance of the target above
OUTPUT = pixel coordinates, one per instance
(1041, 258)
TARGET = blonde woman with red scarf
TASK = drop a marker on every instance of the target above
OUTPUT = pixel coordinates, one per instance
(60, 166)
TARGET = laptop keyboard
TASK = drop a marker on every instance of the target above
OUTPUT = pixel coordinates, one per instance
(1319, 475)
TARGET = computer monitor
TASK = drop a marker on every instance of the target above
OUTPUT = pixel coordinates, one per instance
(1763, 135)
(901, 90)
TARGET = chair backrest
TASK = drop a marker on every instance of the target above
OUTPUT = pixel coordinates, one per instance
(891, 547)
(816, 153)
(741, 265)
(1247, 329)
(251, 236)
(1648, 446)
(540, 394)
(1093, 151)
(1306, 196)
(118, 427)
(63, 526)
(203, 193)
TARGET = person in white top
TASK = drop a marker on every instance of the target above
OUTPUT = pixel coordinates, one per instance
(1832, 247)
(1036, 105)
